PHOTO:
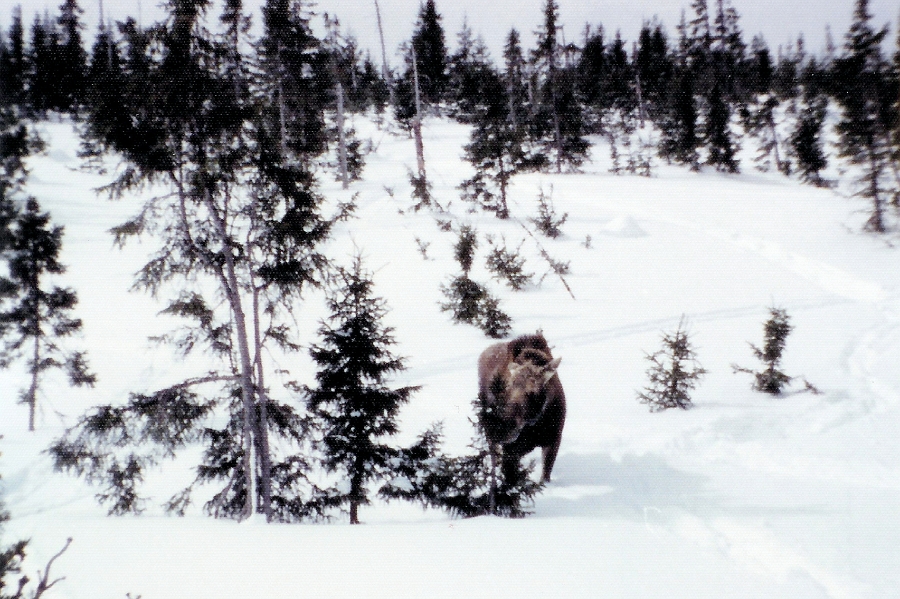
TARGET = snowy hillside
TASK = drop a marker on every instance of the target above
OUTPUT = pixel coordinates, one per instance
(744, 496)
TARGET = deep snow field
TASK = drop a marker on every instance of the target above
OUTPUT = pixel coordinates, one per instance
(744, 496)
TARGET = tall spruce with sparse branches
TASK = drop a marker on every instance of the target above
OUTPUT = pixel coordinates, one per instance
(720, 143)
(497, 149)
(558, 122)
(806, 140)
(863, 87)
(35, 320)
(352, 407)
(241, 217)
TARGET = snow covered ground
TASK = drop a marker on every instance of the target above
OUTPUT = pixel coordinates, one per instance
(743, 496)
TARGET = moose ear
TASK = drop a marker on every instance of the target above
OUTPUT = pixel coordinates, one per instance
(550, 370)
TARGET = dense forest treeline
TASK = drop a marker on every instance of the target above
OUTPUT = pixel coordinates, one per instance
(238, 130)
(703, 88)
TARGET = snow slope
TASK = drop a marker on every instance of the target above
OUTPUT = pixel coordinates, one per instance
(743, 496)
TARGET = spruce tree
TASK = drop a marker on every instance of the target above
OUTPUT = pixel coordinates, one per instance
(696, 42)
(36, 319)
(515, 80)
(12, 62)
(654, 68)
(431, 53)
(674, 372)
(771, 379)
(618, 87)
(497, 149)
(679, 138)
(806, 142)
(720, 144)
(351, 404)
(760, 69)
(106, 92)
(558, 122)
(294, 75)
(759, 119)
(591, 72)
(71, 58)
(117, 88)
(863, 94)
(728, 51)
(244, 214)
(41, 73)
(472, 78)
(468, 301)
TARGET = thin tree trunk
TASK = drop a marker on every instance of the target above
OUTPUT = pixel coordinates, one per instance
(342, 136)
(876, 221)
(417, 121)
(282, 119)
(640, 92)
(778, 164)
(35, 374)
(265, 458)
(36, 350)
(385, 69)
(232, 293)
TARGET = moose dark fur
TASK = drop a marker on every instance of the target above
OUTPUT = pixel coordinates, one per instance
(523, 404)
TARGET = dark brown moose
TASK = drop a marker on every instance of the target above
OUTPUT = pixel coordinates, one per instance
(523, 404)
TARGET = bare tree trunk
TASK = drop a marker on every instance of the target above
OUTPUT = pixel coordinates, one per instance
(639, 90)
(492, 498)
(778, 164)
(282, 119)
(342, 136)
(31, 398)
(265, 458)
(385, 69)
(233, 295)
(557, 133)
(417, 121)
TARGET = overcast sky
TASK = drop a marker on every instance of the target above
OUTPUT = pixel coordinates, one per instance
(780, 21)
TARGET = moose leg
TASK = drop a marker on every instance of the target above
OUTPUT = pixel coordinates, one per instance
(492, 499)
(510, 467)
(549, 455)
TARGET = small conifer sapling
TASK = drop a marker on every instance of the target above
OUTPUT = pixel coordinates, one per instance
(673, 374)
(771, 379)
(468, 301)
